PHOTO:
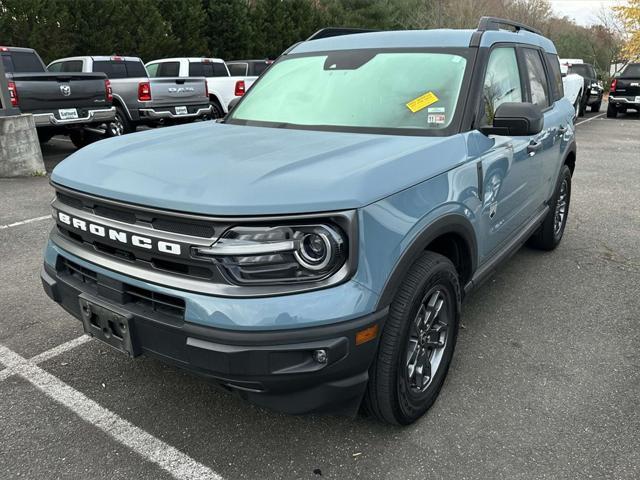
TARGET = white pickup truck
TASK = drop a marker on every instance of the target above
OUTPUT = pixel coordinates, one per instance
(222, 87)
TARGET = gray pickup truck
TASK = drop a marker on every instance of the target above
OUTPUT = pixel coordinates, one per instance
(139, 99)
(61, 103)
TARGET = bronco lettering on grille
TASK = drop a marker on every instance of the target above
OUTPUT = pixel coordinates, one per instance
(120, 236)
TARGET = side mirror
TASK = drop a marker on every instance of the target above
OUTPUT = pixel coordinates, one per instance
(516, 120)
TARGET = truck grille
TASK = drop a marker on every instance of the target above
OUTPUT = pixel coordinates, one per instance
(120, 292)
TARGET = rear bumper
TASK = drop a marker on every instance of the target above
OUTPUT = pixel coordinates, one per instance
(163, 113)
(93, 116)
(275, 369)
(624, 100)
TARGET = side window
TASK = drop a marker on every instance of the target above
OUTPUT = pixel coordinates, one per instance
(556, 76)
(111, 69)
(501, 82)
(55, 67)
(72, 66)
(237, 69)
(152, 69)
(168, 69)
(537, 78)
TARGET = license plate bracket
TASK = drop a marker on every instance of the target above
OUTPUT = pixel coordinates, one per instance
(108, 325)
(181, 110)
(68, 113)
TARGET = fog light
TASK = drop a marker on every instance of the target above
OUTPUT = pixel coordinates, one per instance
(320, 356)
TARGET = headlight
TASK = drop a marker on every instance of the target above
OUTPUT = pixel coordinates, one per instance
(259, 255)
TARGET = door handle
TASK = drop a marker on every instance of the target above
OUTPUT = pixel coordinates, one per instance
(533, 147)
(562, 130)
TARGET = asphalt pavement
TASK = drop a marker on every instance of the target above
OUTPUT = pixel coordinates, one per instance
(545, 383)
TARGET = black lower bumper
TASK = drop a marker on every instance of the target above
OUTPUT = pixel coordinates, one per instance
(280, 370)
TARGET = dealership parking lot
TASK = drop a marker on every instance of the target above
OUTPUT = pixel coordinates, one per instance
(545, 382)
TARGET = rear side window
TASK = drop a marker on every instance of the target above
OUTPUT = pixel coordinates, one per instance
(259, 67)
(120, 69)
(111, 69)
(631, 71)
(207, 69)
(22, 62)
(168, 69)
(72, 66)
(237, 69)
(556, 76)
(537, 78)
(55, 67)
(501, 82)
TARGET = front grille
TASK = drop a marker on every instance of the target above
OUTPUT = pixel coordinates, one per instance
(162, 222)
(120, 292)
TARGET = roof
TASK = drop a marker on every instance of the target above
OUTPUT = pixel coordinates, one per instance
(421, 38)
(189, 59)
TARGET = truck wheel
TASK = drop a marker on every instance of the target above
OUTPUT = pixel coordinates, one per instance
(122, 122)
(78, 138)
(417, 343)
(583, 106)
(596, 106)
(549, 235)
(612, 111)
(217, 111)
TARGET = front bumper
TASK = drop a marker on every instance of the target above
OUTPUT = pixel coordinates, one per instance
(274, 369)
(169, 113)
(93, 116)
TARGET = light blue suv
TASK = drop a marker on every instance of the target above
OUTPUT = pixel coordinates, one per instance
(312, 251)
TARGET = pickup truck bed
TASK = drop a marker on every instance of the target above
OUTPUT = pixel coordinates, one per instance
(625, 91)
(142, 100)
(57, 101)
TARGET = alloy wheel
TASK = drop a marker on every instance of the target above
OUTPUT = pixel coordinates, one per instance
(561, 209)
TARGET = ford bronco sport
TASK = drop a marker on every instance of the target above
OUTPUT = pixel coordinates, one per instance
(312, 251)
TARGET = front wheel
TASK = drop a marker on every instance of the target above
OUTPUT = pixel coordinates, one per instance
(550, 233)
(417, 344)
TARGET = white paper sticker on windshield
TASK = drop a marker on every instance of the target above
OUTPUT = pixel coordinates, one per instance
(436, 118)
(435, 110)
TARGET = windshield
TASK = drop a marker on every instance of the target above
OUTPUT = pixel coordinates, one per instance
(361, 89)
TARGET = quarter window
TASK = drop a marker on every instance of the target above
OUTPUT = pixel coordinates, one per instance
(538, 85)
(501, 82)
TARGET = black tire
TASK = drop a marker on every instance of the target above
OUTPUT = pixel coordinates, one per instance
(583, 106)
(596, 106)
(44, 136)
(612, 111)
(79, 138)
(550, 233)
(217, 111)
(122, 121)
(391, 397)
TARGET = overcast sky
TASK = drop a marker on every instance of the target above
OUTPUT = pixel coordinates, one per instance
(584, 12)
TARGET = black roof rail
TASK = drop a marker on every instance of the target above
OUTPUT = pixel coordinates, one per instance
(336, 32)
(494, 23)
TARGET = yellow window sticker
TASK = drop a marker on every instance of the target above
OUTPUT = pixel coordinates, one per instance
(422, 101)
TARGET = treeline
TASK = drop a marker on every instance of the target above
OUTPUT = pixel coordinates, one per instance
(262, 28)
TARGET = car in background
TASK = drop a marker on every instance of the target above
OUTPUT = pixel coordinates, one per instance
(222, 87)
(140, 100)
(61, 103)
(573, 86)
(593, 90)
(625, 91)
(248, 68)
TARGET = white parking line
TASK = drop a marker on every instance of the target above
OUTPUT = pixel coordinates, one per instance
(589, 119)
(170, 459)
(60, 349)
(24, 222)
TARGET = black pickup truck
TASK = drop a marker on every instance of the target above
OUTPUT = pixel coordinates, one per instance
(625, 91)
(61, 103)
(592, 91)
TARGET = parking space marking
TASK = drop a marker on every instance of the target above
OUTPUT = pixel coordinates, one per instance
(170, 459)
(24, 222)
(589, 119)
(60, 349)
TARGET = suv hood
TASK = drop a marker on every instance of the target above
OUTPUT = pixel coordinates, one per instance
(221, 169)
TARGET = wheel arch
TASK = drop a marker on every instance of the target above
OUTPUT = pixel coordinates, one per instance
(119, 102)
(214, 97)
(452, 236)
